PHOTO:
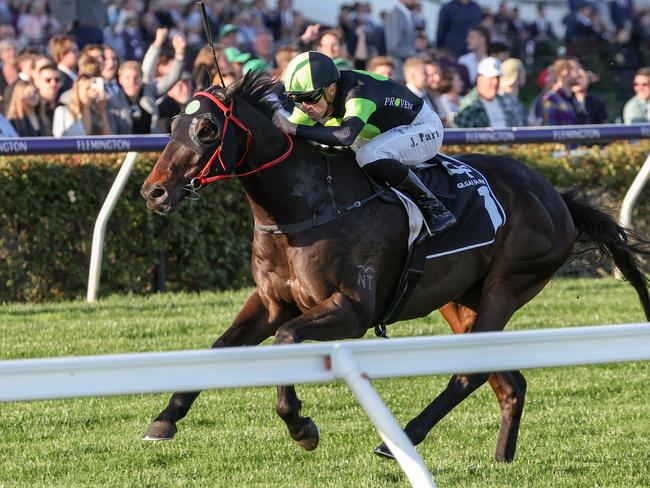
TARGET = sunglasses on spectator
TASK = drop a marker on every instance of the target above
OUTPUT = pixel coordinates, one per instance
(309, 98)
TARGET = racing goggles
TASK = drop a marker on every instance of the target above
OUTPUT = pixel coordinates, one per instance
(310, 98)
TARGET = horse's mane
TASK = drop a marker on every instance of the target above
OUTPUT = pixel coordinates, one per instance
(253, 87)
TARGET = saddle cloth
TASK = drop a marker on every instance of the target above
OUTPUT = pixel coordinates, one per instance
(477, 210)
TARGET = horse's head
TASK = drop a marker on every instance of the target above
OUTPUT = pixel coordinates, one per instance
(207, 142)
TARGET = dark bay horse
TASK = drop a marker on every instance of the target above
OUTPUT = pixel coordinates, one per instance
(307, 281)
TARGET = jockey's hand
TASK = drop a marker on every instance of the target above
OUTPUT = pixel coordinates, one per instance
(282, 123)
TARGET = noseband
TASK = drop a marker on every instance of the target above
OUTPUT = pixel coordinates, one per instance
(203, 178)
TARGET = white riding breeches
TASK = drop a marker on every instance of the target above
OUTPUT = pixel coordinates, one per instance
(411, 144)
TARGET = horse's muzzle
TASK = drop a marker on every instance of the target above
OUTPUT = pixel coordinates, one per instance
(157, 198)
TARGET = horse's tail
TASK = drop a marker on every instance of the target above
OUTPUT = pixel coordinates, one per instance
(623, 246)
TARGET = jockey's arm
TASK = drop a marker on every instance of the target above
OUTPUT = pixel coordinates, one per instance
(356, 115)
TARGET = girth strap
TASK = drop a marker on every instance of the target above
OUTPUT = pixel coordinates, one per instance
(316, 220)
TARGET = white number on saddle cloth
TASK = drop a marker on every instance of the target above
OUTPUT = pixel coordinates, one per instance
(490, 206)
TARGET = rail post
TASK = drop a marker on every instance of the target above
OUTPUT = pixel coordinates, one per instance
(100, 224)
(390, 431)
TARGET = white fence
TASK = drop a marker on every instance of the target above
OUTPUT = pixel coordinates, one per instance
(354, 362)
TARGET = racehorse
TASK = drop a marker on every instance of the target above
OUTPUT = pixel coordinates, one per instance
(306, 277)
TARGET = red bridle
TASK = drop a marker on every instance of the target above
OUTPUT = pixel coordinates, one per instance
(203, 178)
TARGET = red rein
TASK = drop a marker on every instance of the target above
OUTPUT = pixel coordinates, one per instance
(203, 177)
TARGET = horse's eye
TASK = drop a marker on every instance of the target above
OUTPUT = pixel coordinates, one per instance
(206, 131)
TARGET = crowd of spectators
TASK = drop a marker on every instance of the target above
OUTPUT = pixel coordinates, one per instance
(132, 71)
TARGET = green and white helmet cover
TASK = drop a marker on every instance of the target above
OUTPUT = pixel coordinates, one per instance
(310, 71)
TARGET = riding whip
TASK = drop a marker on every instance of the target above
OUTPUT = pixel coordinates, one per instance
(208, 35)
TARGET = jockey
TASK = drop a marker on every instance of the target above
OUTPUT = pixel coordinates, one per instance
(389, 127)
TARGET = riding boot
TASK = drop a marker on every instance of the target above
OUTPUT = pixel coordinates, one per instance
(437, 218)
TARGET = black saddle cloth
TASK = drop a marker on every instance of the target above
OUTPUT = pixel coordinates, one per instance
(467, 194)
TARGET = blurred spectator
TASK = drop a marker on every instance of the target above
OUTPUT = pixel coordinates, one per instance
(590, 108)
(419, 21)
(329, 43)
(498, 50)
(88, 66)
(37, 26)
(582, 32)
(150, 61)
(622, 13)
(47, 83)
(477, 44)
(40, 60)
(8, 66)
(483, 106)
(109, 70)
(512, 80)
(125, 35)
(637, 108)
(85, 114)
(400, 34)
(7, 31)
(415, 76)
(434, 76)
(263, 47)
(451, 87)
(454, 21)
(374, 32)
(283, 56)
(557, 104)
(281, 21)
(229, 78)
(541, 29)
(382, 65)
(237, 59)
(65, 53)
(25, 62)
(545, 80)
(6, 129)
(133, 109)
(171, 104)
(228, 36)
(22, 112)
(204, 61)
(96, 51)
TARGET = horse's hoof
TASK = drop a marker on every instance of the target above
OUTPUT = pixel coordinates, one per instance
(160, 430)
(383, 451)
(310, 436)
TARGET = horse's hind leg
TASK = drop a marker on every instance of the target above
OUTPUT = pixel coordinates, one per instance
(509, 387)
(499, 300)
(252, 325)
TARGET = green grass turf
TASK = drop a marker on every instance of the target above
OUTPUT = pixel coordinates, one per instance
(582, 426)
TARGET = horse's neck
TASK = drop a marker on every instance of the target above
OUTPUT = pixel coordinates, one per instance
(296, 188)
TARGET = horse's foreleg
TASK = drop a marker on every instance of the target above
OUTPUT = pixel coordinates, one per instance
(253, 324)
(332, 319)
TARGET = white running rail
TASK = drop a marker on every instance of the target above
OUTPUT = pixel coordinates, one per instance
(354, 362)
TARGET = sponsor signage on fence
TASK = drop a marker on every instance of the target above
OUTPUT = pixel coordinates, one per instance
(562, 134)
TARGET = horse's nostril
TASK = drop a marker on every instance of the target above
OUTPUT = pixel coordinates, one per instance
(158, 193)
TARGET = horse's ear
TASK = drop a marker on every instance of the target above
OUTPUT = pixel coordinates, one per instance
(203, 79)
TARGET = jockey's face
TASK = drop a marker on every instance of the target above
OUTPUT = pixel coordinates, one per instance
(321, 109)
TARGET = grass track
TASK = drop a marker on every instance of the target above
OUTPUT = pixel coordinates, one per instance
(582, 426)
